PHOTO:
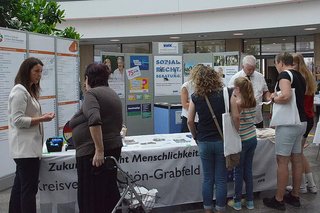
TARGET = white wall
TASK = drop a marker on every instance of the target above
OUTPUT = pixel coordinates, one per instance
(120, 18)
(125, 8)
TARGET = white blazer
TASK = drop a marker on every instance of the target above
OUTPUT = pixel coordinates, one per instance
(25, 141)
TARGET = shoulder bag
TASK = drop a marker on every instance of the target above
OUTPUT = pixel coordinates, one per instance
(285, 114)
(232, 140)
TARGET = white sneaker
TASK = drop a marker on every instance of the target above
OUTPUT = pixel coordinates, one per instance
(313, 189)
(289, 188)
(303, 190)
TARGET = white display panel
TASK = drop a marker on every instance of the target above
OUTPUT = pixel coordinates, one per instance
(42, 47)
(50, 128)
(12, 53)
(66, 111)
(167, 75)
(67, 80)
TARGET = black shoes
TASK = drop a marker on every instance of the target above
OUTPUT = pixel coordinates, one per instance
(292, 200)
(273, 203)
(288, 198)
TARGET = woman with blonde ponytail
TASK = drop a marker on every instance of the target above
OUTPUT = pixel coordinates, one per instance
(243, 96)
(307, 182)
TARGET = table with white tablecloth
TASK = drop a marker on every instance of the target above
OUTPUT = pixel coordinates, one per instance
(169, 163)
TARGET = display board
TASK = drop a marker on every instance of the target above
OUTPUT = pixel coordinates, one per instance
(43, 48)
(67, 80)
(226, 63)
(192, 59)
(117, 80)
(13, 50)
(139, 90)
(167, 75)
(15, 47)
(167, 71)
(116, 64)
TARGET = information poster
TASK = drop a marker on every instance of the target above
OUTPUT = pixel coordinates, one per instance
(116, 65)
(188, 66)
(48, 104)
(42, 47)
(146, 110)
(140, 60)
(65, 112)
(226, 64)
(139, 85)
(12, 53)
(134, 109)
(68, 81)
(168, 47)
(167, 75)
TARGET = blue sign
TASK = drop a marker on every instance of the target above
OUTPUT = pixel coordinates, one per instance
(140, 60)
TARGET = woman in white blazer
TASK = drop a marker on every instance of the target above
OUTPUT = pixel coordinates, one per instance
(26, 135)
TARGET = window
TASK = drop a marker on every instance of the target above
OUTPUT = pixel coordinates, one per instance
(251, 46)
(211, 46)
(189, 47)
(271, 46)
(305, 44)
(106, 48)
(98, 49)
(136, 48)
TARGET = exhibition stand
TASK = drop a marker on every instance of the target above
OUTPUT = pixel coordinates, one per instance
(59, 84)
(169, 163)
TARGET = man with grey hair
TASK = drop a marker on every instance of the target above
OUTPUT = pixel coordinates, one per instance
(259, 84)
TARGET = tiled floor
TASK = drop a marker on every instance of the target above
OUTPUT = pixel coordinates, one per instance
(310, 202)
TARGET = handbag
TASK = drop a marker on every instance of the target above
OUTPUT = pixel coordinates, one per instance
(232, 140)
(285, 114)
(232, 159)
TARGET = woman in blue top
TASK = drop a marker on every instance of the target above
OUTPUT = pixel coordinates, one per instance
(208, 83)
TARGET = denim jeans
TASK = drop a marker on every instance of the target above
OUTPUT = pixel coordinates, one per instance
(214, 173)
(243, 172)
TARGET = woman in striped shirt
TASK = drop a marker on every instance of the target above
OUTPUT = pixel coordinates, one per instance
(244, 116)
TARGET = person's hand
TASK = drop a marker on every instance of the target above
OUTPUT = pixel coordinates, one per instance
(48, 116)
(273, 95)
(98, 158)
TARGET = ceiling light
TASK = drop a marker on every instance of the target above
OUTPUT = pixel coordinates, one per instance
(174, 37)
(310, 28)
(238, 34)
(114, 40)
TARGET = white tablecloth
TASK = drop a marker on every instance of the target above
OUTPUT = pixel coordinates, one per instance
(169, 163)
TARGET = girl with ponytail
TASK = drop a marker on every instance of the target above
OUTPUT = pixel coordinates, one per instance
(244, 115)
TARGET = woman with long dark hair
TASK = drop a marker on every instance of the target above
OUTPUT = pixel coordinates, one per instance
(26, 135)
